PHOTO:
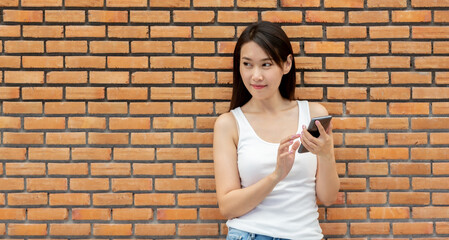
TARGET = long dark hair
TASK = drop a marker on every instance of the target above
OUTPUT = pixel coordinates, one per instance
(276, 44)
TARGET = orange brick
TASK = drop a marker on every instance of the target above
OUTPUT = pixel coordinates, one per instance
(193, 16)
(24, 46)
(9, 3)
(430, 212)
(421, 32)
(9, 92)
(71, 77)
(409, 109)
(87, 122)
(42, 3)
(419, 183)
(116, 199)
(411, 78)
(128, 3)
(170, 32)
(441, 48)
(170, 4)
(197, 199)
(194, 47)
(334, 228)
(153, 199)
(65, 108)
(346, 32)
(412, 228)
(410, 168)
(346, 63)
(388, 123)
(211, 214)
(12, 122)
(387, 4)
(45, 214)
(368, 169)
(176, 154)
(44, 123)
(155, 229)
(225, 47)
(192, 138)
(440, 198)
(176, 214)
(89, 184)
(67, 16)
(430, 154)
(389, 212)
(388, 153)
(23, 138)
(107, 16)
(438, 138)
(91, 154)
(418, 198)
(42, 61)
(366, 198)
(132, 214)
(208, 229)
(26, 16)
(390, 93)
(9, 30)
(303, 31)
(441, 16)
(151, 77)
(324, 47)
(371, 47)
(17, 229)
(213, 32)
(371, 108)
(11, 184)
(194, 169)
(112, 229)
(31, 169)
(127, 93)
(389, 32)
(48, 153)
(85, 62)
(442, 227)
(300, 3)
(151, 47)
(411, 16)
(109, 47)
(349, 123)
(175, 184)
(69, 199)
(22, 107)
(389, 183)
(150, 138)
(390, 62)
(368, 16)
(43, 31)
(437, 108)
(128, 31)
(91, 214)
(407, 138)
(110, 169)
(65, 138)
(170, 93)
(170, 62)
(84, 3)
(12, 214)
(206, 185)
(133, 154)
(346, 213)
(192, 108)
(343, 4)
(107, 107)
(371, 228)
(429, 123)
(172, 122)
(78, 229)
(346, 93)
(85, 31)
(130, 184)
(129, 123)
(153, 16)
(10, 61)
(325, 16)
(431, 62)
(237, 16)
(411, 47)
(71, 169)
(18, 199)
(282, 16)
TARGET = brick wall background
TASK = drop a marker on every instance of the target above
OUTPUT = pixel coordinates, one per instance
(107, 110)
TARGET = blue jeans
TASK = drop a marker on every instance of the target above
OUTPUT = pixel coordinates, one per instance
(235, 234)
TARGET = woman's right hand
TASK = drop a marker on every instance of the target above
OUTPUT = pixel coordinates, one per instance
(286, 156)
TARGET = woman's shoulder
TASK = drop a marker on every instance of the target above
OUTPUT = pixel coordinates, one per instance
(317, 110)
(225, 121)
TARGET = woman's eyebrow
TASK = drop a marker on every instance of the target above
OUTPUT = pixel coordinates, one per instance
(265, 59)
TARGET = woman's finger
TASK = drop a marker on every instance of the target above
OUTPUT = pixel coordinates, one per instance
(320, 128)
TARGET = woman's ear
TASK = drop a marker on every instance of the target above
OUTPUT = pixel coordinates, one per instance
(288, 64)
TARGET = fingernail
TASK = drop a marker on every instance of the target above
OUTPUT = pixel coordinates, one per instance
(291, 141)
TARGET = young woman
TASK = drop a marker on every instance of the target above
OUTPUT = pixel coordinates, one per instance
(265, 188)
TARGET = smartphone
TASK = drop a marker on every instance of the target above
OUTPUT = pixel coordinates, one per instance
(313, 129)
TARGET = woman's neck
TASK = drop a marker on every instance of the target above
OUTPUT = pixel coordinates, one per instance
(272, 105)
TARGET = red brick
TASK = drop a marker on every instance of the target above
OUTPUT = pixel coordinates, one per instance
(407, 138)
(107, 16)
(369, 228)
(91, 154)
(130, 184)
(371, 108)
(23, 138)
(67, 16)
(127, 93)
(389, 183)
(71, 169)
(150, 138)
(170, 62)
(366, 198)
(10, 122)
(368, 17)
(155, 229)
(346, 32)
(84, 3)
(389, 212)
(343, 4)
(303, 31)
(411, 16)
(346, 213)
(24, 47)
(12, 214)
(116, 199)
(107, 108)
(133, 154)
(90, 93)
(154, 199)
(128, 3)
(128, 32)
(77, 229)
(18, 199)
(213, 32)
(417, 198)
(29, 169)
(109, 47)
(387, 4)
(211, 214)
(334, 228)
(170, 32)
(346, 93)
(22, 108)
(45, 214)
(389, 32)
(89, 184)
(138, 108)
(411, 47)
(368, 169)
(112, 229)
(17, 229)
(151, 47)
(11, 184)
(197, 199)
(110, 169)
(91, 214)
(325, 16)
(364, 47)
(429, 123)
(85, 31)
(132, 214)
(87, 123)
(208, 229)
(43, 31)
(153, 16)
(282, 16)
(397, 93)
(412, 228)
(26, 16)
(424, 32)
(194, 169)
(48, 153)
(430, 212)
(69, 199)
(170, 4)
(176, 214)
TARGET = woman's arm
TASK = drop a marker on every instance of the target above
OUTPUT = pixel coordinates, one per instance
(327, 181)
(233, 200)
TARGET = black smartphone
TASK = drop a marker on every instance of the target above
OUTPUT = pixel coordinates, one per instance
(313, 129)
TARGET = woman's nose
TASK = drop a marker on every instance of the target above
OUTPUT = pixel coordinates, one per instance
(257, 74)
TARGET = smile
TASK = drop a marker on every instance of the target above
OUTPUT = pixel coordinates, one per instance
(258, 86)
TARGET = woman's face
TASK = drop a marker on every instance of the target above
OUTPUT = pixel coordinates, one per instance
(260, 74)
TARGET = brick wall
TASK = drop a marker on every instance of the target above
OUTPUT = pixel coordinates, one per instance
(107, 110)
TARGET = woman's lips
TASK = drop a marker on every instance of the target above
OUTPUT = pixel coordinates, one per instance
(258, 86)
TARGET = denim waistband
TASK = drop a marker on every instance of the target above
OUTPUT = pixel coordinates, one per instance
(236, 234)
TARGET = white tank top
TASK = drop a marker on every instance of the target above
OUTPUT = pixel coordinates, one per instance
(290, 210)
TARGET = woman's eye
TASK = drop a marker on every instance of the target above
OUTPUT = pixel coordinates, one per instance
(267, 65)
(246, 64)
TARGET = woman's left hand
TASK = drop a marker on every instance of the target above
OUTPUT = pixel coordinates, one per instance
(323, 146)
